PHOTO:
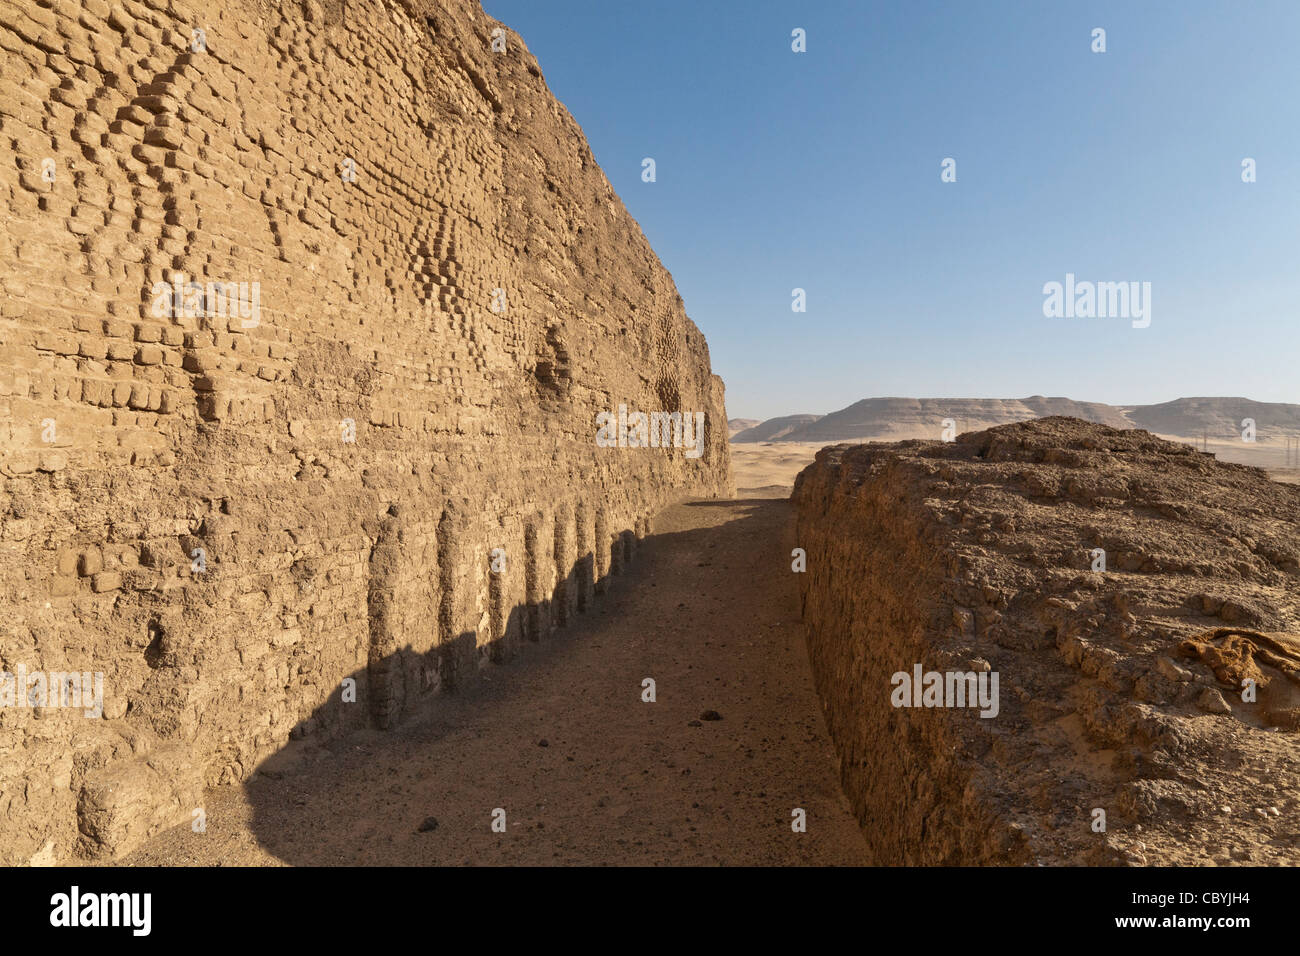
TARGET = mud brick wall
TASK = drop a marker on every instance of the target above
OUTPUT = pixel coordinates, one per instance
(978, 555)
(229, 515)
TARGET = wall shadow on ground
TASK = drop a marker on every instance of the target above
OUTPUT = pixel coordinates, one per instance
(326, 803)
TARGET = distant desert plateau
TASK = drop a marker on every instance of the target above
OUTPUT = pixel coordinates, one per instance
(766, 457)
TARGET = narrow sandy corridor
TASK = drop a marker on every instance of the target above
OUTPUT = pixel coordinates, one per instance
(560, 739)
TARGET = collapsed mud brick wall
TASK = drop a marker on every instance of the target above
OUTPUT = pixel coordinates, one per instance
(1121, 690)
(230, 515)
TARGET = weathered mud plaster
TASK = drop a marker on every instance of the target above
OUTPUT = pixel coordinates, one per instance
(1120, 733)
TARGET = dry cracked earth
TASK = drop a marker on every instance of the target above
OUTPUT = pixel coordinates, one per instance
(561, 740)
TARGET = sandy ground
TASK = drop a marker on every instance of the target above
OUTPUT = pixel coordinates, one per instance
(768, 469)
(560, 739)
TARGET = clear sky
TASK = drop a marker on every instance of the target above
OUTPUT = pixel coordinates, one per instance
(821, 170)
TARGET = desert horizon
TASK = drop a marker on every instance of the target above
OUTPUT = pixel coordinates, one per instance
(767, 455)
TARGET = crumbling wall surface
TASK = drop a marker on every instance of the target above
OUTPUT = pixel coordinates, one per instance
(1124, 733)
(369, 470)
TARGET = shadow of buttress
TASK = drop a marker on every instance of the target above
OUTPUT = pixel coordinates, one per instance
(495, 616)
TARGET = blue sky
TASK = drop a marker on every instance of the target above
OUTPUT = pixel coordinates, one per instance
(821, 171)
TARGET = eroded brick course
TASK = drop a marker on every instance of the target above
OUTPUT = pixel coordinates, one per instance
(182, 508)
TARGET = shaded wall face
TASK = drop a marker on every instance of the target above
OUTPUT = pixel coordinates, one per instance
(873, 599)
(306, 310)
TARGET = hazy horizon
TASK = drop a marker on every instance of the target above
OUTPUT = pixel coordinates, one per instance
(731, 414)
(821, 170)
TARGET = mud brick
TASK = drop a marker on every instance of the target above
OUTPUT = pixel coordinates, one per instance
(97, 392)
(60, 342)
(90, 562)
(362, 559)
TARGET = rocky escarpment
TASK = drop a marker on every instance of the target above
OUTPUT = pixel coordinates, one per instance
(893, 419)
(1139, 604)
(307, 311)
(774, 429)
